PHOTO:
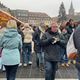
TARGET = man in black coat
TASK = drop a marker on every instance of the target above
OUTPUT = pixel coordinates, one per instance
(52, 42)
(38, 48)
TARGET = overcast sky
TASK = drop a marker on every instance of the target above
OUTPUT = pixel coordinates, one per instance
(50, 7)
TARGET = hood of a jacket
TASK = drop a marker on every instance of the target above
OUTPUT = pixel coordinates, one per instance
(11, 33)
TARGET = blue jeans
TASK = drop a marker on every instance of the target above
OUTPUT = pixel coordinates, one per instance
(26, 52)
(11, 72)
(64, 57)
(78, 69)
(39, 58)
(50, 70)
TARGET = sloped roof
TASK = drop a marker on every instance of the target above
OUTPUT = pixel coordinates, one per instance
(4, 17)
(38, 14)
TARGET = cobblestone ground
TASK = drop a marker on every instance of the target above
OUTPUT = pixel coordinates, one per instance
(33, 72)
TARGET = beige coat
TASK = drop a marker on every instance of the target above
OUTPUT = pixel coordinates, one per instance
(28, 37)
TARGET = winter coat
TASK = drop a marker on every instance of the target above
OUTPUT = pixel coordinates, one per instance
(28, 35)
(36, 39)
(76, 38)
(22, 35)
(66, 36)
(11, 42)
(52, 50)
(69, 29)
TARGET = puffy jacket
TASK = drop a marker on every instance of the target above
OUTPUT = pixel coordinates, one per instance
(11, 42)
(28, 35)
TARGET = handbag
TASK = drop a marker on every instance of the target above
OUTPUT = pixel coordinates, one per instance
(71, 50)
(1, 52)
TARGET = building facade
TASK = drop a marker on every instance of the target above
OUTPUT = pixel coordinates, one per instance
(22, 15)
(35, 18)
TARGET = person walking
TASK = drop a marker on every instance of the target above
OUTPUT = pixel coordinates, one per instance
(27, 45)
(38, 48)
(52, 41)
(11, 42)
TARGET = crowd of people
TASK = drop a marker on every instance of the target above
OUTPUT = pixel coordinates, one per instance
(47, 42)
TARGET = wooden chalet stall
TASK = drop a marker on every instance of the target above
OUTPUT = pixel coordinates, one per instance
(4, 17)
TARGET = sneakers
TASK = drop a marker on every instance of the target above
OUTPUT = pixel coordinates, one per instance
(74, 61)
(63, 65)
(69, 62)
(24, 64)
(30, 63)
(41, 67)
(20, 64)
(67, 65)
(3, 68)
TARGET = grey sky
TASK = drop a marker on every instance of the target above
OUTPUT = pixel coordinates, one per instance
(51, 7)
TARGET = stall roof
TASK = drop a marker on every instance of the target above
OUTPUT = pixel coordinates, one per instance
(4, 17)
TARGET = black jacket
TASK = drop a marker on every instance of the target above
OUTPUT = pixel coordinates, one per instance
(36, 39)
(22, 35)
(69, 30)
(52, 51)
(76, 39)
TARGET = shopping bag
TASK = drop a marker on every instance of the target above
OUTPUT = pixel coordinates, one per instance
(71, 50)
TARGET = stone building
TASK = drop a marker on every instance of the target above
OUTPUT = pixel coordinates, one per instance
(35, 18)
(20, 14)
